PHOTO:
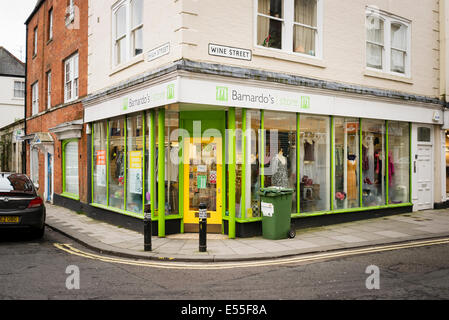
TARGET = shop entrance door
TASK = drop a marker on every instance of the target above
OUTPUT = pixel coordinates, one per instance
(424, 177)
(203, 182)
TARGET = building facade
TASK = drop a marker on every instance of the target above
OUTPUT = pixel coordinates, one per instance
(56, 84)
(12, 105)
(190, 103)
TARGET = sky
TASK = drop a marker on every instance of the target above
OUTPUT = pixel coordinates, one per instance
(13, 14)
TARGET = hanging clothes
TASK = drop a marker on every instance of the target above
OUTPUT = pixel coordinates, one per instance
(390, 168)
(352, 180)
(309, 151)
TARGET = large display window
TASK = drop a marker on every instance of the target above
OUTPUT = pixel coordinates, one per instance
(99, 165)
(398, 162)
(346, 163)
(280, 151)
(373, 163)
(239, 157)
(117, 160)
(252, 163)
(134, 174)
(315, 163)
(172, 160)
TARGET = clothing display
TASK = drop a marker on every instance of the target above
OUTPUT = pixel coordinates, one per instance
(309, 151)
(280, 175)
(352, 180)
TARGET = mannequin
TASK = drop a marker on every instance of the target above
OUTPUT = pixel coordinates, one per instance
(279, 167)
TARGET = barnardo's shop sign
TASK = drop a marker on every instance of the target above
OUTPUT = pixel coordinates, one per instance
(143, 99)
(252, 97)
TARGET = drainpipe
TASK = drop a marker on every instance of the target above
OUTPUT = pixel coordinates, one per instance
(24, 148)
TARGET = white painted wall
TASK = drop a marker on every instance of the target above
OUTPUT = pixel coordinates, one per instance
(190, 25)
(11, 109)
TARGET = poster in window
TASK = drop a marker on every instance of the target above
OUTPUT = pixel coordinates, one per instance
(101, 168)
(135, 172)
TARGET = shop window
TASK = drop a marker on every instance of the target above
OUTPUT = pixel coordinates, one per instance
(280, 151)
(398, 162)
(373, 163)
(117, 163)
(134, 176)
(99, 163)
(315, 163)
(35, 165)
(346, 163)
(238, 162)
(70, 160)
(252, 163)
(150, 136)
(171, 162)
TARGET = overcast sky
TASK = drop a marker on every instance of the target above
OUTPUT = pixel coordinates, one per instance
(12, 25)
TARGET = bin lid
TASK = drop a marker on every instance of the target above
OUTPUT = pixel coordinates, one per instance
(275, 191)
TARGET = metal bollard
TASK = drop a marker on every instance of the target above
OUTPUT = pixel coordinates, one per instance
(203, 227)
(147, 228)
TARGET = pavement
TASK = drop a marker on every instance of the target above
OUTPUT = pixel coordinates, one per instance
(110, 239)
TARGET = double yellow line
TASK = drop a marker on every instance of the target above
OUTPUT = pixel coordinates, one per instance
(245, 264)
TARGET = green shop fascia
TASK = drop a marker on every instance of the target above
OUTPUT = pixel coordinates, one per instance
(152, 149)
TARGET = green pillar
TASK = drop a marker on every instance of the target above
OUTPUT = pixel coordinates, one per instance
(232, 176)
(161, 173)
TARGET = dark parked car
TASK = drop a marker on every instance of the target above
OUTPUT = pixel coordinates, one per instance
(20, 205)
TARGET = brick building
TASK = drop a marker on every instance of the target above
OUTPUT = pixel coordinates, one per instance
(56, 83)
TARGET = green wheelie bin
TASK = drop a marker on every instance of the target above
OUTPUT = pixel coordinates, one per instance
(276, 204)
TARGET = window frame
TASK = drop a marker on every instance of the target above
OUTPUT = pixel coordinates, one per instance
(389, 20)
(129, 34)
(35, 98)
(50, 24)
(288, 25)
(19, 93)
(49, 78)
(73, 63)
(35, 35)
(64, 170)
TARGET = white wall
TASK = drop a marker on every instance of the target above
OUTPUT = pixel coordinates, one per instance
(11, 109)
(190, 25)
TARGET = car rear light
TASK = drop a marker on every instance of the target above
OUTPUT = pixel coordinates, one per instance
(35, 203)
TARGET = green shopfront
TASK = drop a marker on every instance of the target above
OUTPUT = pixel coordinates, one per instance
(189, 141)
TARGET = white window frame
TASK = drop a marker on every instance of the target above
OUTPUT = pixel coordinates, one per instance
(288, 23)
(70, 13)
(19, 89)
(50, 24)
(34, 174)
(71, 78)
(35, 42)
(35, 98)
(129, 34)
(388, 20)
(49, 89)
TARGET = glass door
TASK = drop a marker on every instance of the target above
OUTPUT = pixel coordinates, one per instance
(202, 179)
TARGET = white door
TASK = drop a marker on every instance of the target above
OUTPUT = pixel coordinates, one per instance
(424, 177)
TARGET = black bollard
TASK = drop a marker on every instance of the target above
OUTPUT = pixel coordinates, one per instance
(203, 227)
(147, 230)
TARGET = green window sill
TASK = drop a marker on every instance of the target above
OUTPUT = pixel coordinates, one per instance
(70, 196)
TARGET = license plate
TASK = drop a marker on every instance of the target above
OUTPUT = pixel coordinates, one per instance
(7, 219)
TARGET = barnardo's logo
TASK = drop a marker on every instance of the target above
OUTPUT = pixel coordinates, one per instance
(170, 91)
(222, 94)
(125, 104)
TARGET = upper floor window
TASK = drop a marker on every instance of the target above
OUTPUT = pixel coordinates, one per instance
(127, 30)
(48, 89)
(71, 78)
(387, 43)
(70, 12)
(35, 98)
(35, 42)
(19, 89)
(50, 24)
(289, 25)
